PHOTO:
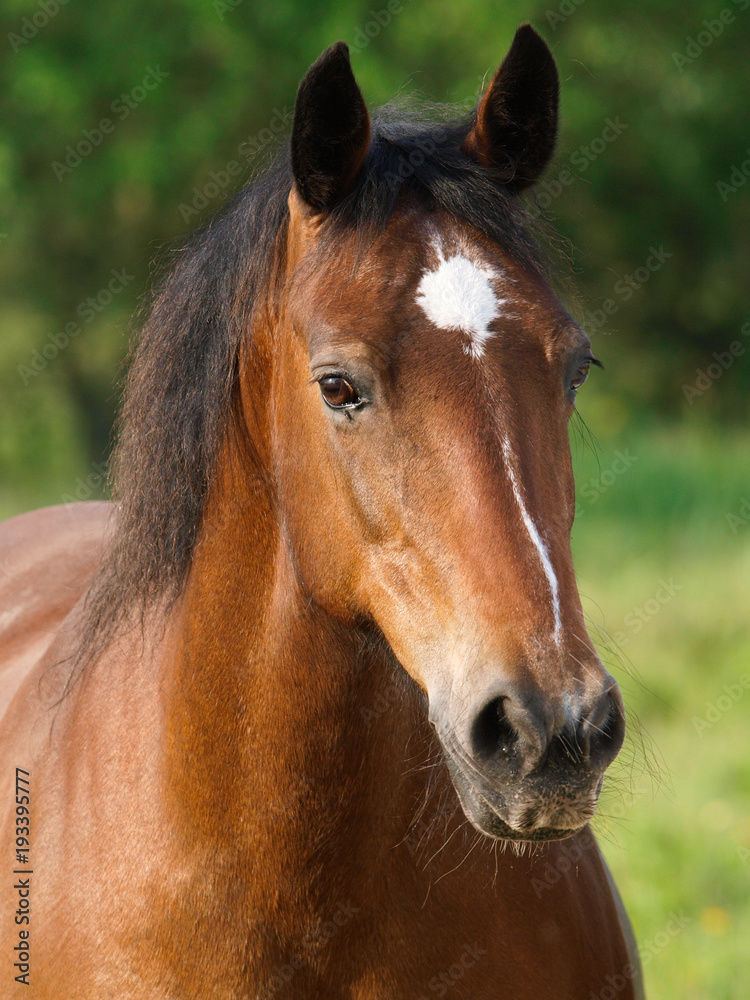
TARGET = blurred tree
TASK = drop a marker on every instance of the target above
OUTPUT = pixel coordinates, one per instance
(121, 128)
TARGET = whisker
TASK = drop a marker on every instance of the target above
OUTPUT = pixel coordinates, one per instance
(479, 837)
(445, 844)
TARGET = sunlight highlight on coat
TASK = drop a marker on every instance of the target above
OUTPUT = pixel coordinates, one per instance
(458, 295)
(536, 539)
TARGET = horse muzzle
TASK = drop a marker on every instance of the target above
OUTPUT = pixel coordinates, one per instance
(520, 776)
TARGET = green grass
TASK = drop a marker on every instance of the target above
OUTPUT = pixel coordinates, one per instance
(665, 582)
(675, 820)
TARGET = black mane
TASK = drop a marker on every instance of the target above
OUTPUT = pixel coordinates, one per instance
(178, 394)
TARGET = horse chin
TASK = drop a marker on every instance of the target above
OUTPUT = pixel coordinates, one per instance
(484, 809)
(491, 824)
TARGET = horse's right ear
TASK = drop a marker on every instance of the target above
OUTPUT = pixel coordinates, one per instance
(331, 130)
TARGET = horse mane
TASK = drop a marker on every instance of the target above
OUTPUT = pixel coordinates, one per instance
(177, 405)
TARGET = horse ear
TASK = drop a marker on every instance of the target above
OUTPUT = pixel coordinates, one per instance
(331, 130)
(516, 119)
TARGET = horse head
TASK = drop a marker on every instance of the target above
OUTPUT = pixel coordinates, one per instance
(423, 377)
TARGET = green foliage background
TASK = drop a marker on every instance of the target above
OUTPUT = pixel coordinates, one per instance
(230, 75)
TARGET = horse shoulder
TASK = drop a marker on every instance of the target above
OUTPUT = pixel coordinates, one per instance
(47, 560)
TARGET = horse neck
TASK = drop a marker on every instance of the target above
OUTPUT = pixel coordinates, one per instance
(293, 728)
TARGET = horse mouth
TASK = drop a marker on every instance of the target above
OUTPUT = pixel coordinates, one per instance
(520, 814)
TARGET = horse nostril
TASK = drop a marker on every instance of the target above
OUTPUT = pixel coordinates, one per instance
(492, 735)
(606, 737)
(511, 736)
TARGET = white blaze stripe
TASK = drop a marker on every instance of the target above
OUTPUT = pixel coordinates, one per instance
(458, 295)
(536, 539)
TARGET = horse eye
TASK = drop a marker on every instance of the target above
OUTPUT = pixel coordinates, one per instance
(580, 376)
(337, 392)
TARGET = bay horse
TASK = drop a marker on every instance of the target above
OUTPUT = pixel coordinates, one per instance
(270, 720)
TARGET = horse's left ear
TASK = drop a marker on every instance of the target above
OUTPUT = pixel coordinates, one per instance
(515, 130)
(331, 130)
